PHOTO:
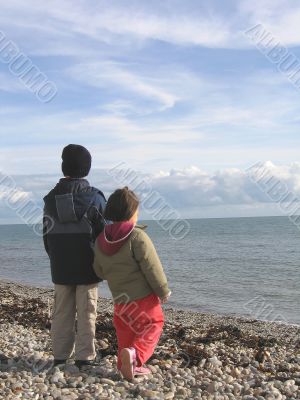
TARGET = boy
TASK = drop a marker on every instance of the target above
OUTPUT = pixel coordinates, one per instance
(72, 220)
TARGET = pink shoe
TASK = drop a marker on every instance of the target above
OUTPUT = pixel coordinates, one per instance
(128, 359)
(142, 371)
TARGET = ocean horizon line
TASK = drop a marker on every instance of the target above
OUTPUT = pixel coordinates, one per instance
(188, 219)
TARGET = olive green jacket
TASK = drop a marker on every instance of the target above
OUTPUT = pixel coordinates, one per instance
(135, 271)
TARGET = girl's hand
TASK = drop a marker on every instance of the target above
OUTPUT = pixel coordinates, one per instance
(166, 298)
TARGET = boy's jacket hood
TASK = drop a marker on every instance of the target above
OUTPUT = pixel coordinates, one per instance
(70, 199)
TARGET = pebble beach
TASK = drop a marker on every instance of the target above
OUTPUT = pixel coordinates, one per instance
(199, 356)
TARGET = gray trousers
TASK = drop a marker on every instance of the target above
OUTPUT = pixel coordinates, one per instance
(70, 300)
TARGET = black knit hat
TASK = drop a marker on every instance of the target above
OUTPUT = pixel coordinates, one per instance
(76, 161)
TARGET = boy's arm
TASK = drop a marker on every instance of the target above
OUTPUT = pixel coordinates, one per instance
(45, 229)
(96, 265)
(97, 212)
(146, 256)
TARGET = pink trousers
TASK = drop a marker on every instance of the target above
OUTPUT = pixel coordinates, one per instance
(139, 325)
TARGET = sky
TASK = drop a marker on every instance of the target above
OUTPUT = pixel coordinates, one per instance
(173, 89)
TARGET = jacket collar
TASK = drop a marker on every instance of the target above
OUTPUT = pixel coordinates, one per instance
(74, 181)
(71, 185)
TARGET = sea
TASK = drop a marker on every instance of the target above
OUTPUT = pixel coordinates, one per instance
(246, 267)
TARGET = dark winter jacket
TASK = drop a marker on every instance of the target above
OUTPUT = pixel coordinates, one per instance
(72, 221)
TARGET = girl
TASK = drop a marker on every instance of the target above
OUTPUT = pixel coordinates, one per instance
(125, 256)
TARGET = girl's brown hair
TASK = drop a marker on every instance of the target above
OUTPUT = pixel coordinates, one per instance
(121, 205)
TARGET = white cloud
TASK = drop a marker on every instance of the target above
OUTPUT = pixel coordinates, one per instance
(108, 22)
(177, 29)
(12, 196)
(9, 83)
(279, 17)
(126, 100)
(191, 191)
(126, 24)
(192, 187)
(113, 75)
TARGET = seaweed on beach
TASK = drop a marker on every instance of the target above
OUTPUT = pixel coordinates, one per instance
(230, 334)
(31, 312)
(105, 331)
(188, 344)
(172, 344)
(193, 343)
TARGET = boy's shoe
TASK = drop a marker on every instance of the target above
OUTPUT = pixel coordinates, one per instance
(128, 359)
(142, 371)
(58, 362)
(84, 363)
